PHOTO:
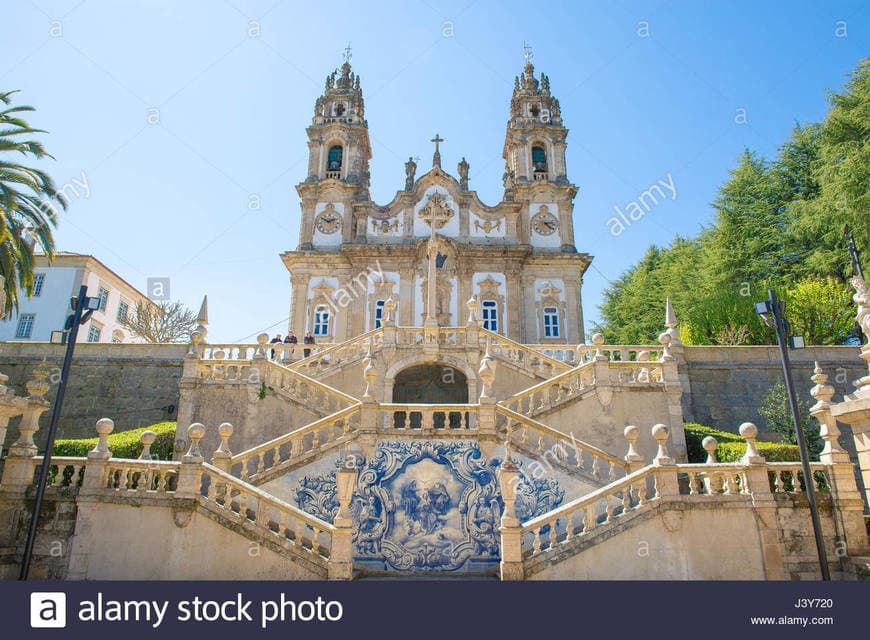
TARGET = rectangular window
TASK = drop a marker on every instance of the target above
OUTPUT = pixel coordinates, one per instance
(490, 315)
(103, 295)
(321, 321)
(38, 281)
(379, 313)
(551, 322)
(94, 333)
(25, 326)
(123, 308)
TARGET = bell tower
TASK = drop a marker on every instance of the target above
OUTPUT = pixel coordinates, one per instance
(535, 169)
(338, 162)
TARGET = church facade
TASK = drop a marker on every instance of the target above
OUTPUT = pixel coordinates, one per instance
(517, 258)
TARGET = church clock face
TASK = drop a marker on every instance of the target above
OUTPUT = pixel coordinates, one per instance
(328, 221)
(544, 223)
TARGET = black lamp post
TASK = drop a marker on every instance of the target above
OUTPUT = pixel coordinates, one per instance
(772, 313)
(83, 307)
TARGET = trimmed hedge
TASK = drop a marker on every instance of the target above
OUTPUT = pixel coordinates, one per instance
(124, 444)
(732, 447)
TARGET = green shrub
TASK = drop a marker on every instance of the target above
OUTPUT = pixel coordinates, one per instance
(695, 434)
(732, 447)
(124, 444)
(772, 451)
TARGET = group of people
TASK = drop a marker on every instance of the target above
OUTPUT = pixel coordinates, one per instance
(292, 339)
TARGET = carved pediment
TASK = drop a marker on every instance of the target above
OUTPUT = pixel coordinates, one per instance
(438, 209)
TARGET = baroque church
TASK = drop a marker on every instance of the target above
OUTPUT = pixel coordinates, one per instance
(517, 257)
(451, 418)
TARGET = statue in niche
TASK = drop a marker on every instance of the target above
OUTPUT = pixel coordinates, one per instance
(410, 171)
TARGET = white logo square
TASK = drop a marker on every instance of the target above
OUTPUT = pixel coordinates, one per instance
(47, 610)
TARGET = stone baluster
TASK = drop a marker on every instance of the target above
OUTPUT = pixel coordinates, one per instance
(666, 474)
(829, 432)
(665, 341)
(341, 556)
(222, 456)
(98, 458)
(190, 474)
(633, 458)
(754, 479)
(147, 439)
(262, 350)
(712, 480)
(391, 335)
(511, 532)
(598, 341)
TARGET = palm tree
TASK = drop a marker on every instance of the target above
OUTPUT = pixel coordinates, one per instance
(27, 210)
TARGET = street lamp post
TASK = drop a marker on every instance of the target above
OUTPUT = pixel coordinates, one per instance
(771, 312)
(83, 307)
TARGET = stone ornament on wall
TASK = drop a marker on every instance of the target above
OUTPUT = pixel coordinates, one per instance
(544, 223)
(328, 221)
(436, 208)
(427, 506)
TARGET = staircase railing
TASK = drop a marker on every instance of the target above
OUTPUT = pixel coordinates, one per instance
(274, 519)
(296, 447)
(427, 418)
(324, 359)
(309, 392)
(552, 392)
(553, 446)
(523, 356)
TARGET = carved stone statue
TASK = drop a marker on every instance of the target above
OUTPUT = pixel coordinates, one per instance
(508, 177)
(462, 168)
(410, 170)
(862, 299)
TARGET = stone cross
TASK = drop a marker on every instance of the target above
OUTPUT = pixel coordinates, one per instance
(347, 53)
(436, 157)
(527, 52)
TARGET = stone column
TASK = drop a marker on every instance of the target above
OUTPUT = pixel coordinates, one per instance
(341, 555)
(528, 312)
(513, 303)
(299, 306)
(190, 473)
(572, 309)
(666, 469)
(406, 299)
(511, 567)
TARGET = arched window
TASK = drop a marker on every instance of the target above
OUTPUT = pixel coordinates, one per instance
(490, 315)
(321, 320)
(551, 322)
(379, 313)
(339, 109)
(333, 160)
(539, 159)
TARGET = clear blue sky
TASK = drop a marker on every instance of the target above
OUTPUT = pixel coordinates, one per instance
(172, 199)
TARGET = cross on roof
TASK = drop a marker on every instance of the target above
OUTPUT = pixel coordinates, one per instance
(347, 53)
(527, 52)
(436, 157)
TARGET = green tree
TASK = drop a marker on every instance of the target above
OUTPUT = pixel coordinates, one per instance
(843, 174)
(820, 310)
(777, 414)
(27, 197)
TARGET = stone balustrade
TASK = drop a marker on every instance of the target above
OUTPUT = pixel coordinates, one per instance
(328, 358)
(523, 356)
(619, 353)
(427, 417)
(582, 517)
(552, 445)
(561, 352)
(140, 476)
(64, 471)
(274, 519)
(300, 445)
(313, 394)
(552, 392)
